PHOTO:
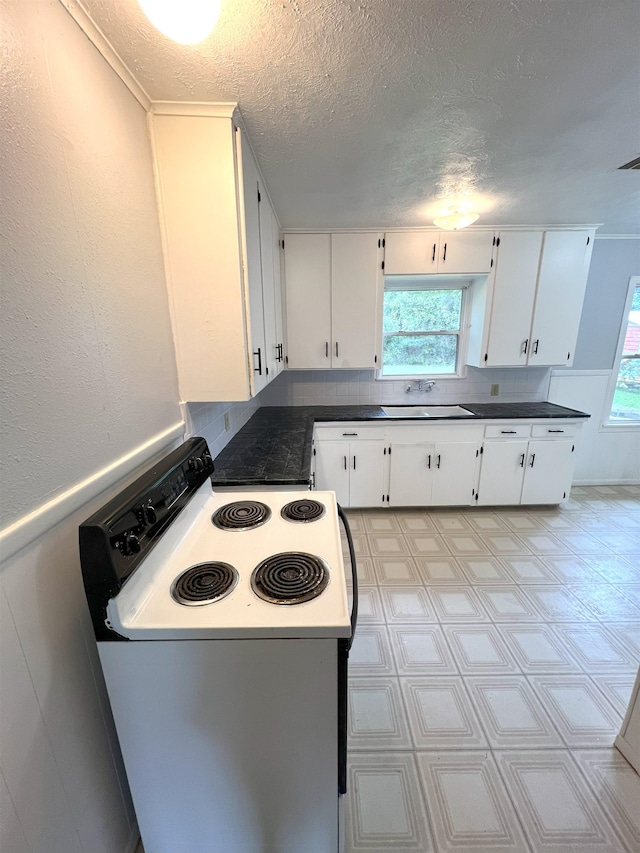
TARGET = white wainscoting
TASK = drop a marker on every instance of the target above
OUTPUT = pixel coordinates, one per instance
(605, 454)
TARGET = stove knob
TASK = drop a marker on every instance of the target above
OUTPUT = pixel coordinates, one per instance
(196, 464)
(131, 544)
(208, 461)
(150, 514)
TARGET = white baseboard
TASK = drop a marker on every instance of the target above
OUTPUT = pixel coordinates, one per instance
(32, 525)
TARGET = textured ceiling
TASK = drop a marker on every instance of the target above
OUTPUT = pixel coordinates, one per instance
(366, 113)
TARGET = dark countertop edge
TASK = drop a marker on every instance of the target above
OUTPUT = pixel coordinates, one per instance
(374, 413)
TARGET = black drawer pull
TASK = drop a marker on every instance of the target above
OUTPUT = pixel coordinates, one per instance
(509, 432)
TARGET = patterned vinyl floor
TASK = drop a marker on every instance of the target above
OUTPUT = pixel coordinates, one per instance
(494, 658)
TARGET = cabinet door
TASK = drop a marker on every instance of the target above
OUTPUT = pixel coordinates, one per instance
(410, 474)
(367, 463)
(253, 269)
(307, 262)
(548, 472)
(411, 252)
(333, 466)
(501, 472)
(277, 291)
(355, 271)
(454, 473)
(513, 287)
(561, 284)
(465, 252)
(268, 287)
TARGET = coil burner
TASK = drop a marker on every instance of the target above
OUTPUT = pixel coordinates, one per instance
(241, 515)
(290, 578)
(303, 510)
(204, 584)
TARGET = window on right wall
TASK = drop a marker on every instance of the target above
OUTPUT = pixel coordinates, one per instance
(624, 391)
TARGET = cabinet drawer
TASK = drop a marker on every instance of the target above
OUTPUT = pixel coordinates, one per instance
(507, 431)
(560, 430)
(348, 433)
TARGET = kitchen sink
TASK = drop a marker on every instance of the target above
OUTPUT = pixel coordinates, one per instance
(426, 412)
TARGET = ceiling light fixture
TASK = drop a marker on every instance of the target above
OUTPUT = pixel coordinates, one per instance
(453, 219)
(184, 21)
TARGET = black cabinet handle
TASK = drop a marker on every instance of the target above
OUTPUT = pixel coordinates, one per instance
(444, 254)
(354, 463)
(433, 257)
(429, 461)
(533, 459)
(349, 433)
(522, 460)
(336, 349)
(555, 430)
(326, 349)
(258, 369)
(345, 462)
(535, 346)
(438, 462)
(278, 352)
(508, 432)
(524, 348)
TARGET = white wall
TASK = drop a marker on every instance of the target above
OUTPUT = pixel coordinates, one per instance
(605, 454)
(88, 375)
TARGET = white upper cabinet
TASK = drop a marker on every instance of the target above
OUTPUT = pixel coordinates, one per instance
(253, 252)
(527, 311)
(355, 268)
(271, 287)
(562, 280)
(438, 252)
(307, 276)
(513, 289)
(208, 185)
(333, 283)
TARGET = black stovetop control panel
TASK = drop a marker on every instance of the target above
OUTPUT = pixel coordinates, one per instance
(116, 539)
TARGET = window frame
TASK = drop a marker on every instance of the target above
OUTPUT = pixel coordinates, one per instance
(462, 333)
(606, 423)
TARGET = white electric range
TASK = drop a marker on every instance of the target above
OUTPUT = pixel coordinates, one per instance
(223, 631)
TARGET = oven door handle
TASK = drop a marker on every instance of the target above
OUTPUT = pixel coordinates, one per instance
(354, 575)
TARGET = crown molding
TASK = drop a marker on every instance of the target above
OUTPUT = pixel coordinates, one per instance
(194, 108)
(104, 46)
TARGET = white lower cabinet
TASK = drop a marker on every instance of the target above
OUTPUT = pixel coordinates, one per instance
(355, 470)
(527, 470)
(433, 473)
(482, 464)
(548, 472)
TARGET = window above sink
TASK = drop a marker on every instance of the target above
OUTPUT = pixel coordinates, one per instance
(423, 327)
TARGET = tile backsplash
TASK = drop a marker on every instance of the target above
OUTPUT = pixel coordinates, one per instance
(346, 387)
(207, 420)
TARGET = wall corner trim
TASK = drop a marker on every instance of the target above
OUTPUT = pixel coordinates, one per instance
(32, 525)
(95, 35)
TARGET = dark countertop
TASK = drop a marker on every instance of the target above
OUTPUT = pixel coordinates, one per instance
(274, 446)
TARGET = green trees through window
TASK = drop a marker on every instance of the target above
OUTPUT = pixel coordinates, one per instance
(421, 331)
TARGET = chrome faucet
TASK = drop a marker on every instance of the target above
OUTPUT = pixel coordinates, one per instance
(422, 385)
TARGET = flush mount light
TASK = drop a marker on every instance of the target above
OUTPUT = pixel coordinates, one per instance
(454, 219)
(184, 21)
